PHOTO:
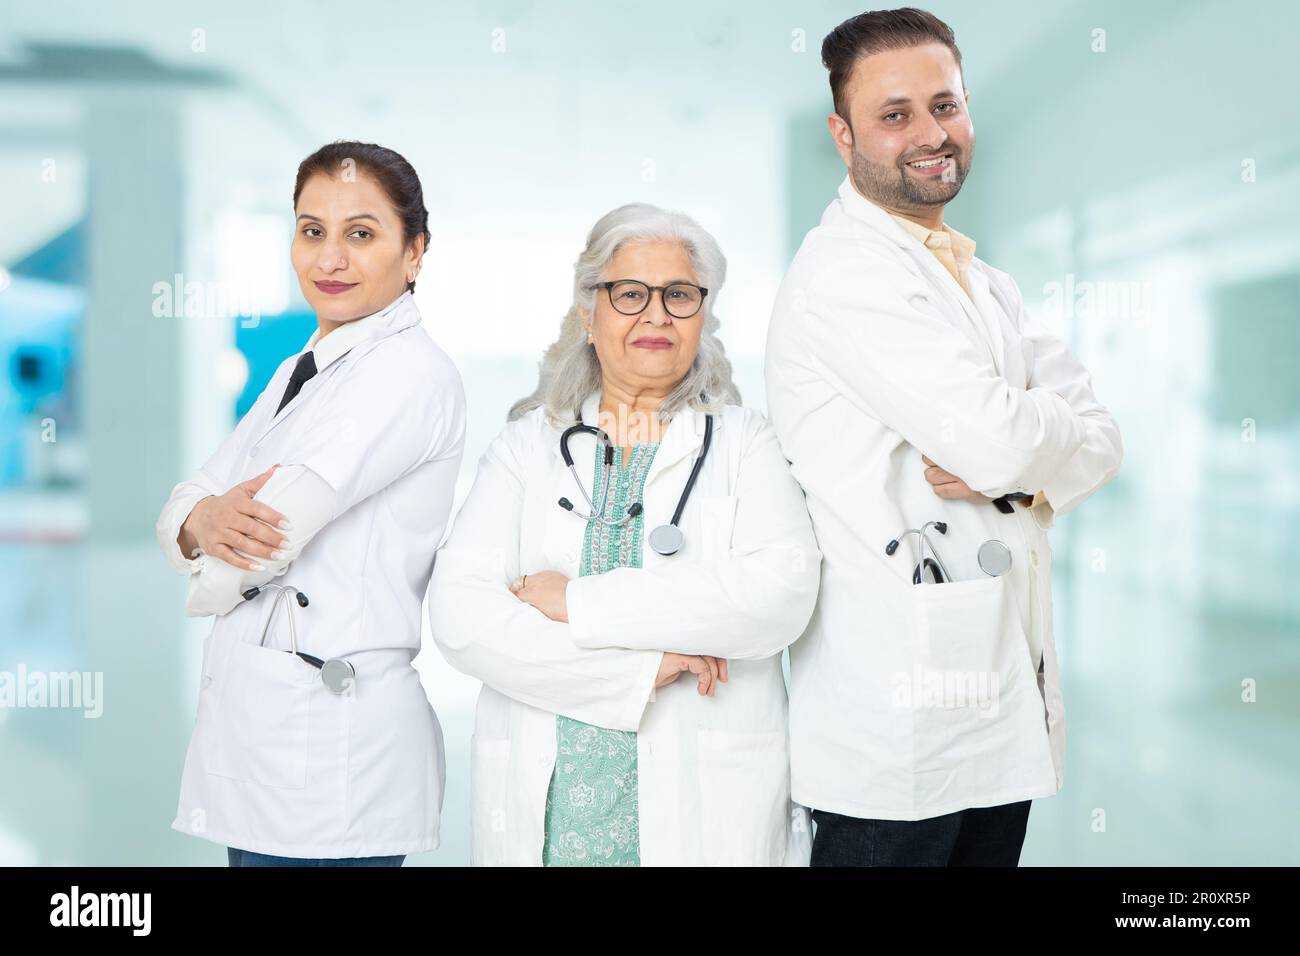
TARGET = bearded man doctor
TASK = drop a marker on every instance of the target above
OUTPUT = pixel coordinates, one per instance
(925, 413)
(310, 535)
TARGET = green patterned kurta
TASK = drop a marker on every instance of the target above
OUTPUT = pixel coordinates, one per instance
(591, 807)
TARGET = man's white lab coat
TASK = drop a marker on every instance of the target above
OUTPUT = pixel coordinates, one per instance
(911, 701)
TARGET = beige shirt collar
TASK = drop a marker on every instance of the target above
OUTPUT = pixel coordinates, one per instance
(953, 249)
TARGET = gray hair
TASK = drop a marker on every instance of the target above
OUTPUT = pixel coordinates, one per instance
(570, 371)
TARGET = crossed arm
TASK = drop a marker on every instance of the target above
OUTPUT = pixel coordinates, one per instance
(877, 338)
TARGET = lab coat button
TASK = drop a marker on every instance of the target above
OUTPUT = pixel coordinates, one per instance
(1033, 557)
(252, 452)
(542, 761)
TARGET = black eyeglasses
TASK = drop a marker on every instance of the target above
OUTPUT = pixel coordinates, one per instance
(630, 297)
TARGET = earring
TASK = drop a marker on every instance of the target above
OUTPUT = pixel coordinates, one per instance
(589, 338)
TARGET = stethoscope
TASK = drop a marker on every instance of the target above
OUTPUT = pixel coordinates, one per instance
(938, 572)
(667, 539)
(993, 556)
(335, 673)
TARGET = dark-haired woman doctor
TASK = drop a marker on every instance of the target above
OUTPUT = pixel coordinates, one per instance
(315, 743)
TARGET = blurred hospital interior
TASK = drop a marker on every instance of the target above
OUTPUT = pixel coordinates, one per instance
(1136, 172)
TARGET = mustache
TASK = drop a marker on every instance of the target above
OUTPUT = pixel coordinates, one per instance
(953, 150)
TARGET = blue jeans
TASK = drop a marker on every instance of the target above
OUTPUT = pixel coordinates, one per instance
(249, 858)
(981, 836)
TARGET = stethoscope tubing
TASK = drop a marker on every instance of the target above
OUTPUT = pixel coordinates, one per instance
(598, 512)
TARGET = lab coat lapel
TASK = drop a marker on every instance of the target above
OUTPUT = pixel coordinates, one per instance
(995, 317)
(405, 316)
(981, 332)
(684, 435)
(564, 529)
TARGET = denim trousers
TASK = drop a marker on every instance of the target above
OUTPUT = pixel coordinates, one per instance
(249, 858)
(981, 836)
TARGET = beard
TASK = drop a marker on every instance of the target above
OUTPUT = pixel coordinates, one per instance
(892, 186)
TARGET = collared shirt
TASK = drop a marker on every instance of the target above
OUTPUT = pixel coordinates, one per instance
(953, 250)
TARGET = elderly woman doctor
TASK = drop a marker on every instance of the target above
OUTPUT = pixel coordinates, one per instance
(315, 743)
(588, 574)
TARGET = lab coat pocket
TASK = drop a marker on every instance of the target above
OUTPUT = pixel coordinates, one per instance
(489, 766)
(717, 520)
(744, 796)
(260, 733)
(965, 693)
(979, 733)
(960, 627)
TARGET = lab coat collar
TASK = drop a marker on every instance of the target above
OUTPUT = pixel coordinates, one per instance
(860, 207)
(684, 434)
(397, 315)
(909, 237)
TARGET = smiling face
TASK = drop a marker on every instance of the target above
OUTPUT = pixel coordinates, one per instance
(348, 249)
(651, 351)
(911, 140)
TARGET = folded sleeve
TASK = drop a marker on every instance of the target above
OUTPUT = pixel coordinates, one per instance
(183, 498)
(306, 500)
(201, 484)
(1097, 459)
(874, 332)
(483, 630)
(747, 604)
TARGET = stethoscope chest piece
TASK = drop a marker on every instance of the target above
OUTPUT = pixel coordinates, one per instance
(667, 539)
(994, 558)
(337, 674)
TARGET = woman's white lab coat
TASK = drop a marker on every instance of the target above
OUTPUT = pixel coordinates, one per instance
(277, 762)
(713, 771)
(911, 701)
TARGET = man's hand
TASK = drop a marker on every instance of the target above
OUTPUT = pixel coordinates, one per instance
(219, 524)
(947, 485)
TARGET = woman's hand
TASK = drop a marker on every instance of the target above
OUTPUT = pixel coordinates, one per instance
(708, 671)
(545, 591)
(219, 524)
(947, 485)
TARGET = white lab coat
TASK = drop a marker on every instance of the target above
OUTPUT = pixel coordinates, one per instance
(277, 762)
(713, 771)
(911, 701)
